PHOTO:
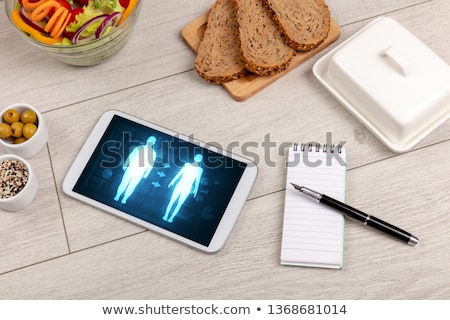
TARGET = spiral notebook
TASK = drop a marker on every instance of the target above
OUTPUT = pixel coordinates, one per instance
(313, 234)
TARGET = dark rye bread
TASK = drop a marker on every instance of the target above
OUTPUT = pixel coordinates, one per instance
(262, 47)
(304, 23)
(218, 57)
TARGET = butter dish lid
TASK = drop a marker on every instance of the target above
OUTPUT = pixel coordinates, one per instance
(391, 81)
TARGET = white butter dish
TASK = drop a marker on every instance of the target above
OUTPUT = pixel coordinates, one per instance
(391, 81)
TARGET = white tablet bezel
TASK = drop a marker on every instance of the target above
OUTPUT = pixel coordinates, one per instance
(230, 216)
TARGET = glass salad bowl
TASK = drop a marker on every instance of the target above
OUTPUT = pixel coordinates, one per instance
(96, 48)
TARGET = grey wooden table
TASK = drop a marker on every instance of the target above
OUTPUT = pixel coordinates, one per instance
(59, 248)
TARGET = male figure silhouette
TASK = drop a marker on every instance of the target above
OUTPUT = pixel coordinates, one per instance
(186, 181)
(137, 166)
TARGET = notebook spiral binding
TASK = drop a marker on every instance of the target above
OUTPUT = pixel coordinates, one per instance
(324, 147)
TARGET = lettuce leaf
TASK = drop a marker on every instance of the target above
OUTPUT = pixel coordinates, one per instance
(107, 6)
(93, 9)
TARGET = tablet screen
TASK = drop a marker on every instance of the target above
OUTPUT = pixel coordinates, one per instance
(161, 179)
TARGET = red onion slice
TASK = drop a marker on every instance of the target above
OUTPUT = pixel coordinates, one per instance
(111, 20)
(77, 38)
(26, 18)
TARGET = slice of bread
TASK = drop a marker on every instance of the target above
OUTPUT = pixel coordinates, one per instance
(262, 46)
(218, 57)
(304, 23)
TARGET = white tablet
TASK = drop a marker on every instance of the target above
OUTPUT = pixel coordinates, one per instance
(161, 180)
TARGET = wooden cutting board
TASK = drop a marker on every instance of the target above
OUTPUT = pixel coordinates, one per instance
(245, 87)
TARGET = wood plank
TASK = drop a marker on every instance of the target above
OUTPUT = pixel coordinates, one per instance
(375, 266)
(154, 51)
(36, 233)
(294, 109)
(110, 258)
(87, 226)
(226, 125)
(353, 11)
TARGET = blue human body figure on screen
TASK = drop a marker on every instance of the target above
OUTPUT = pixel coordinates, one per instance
(186, 181)
(137, 166)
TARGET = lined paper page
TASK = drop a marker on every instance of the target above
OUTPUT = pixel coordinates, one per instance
(313, 234)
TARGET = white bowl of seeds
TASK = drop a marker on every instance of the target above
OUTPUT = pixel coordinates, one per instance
(18, 183)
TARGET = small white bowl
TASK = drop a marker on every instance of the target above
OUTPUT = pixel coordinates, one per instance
(24, 198)
(31, 147)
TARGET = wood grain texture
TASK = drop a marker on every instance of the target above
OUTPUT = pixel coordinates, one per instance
(36, 233)
(59, 248)
(138, 267)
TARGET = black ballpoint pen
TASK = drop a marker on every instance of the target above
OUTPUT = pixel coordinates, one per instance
(360, 216)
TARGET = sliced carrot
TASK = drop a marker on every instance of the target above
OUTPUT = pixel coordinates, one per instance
(32, 5)
(61, 24)
(15, 15)
(44, 9)
(54, 19)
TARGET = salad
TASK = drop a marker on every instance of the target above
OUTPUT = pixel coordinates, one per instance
(70, 22)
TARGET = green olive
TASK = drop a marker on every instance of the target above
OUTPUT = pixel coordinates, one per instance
(11, 116)
(17, 129)
(29, 129)
(5, 130)
(19, 140)
(28, 116)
